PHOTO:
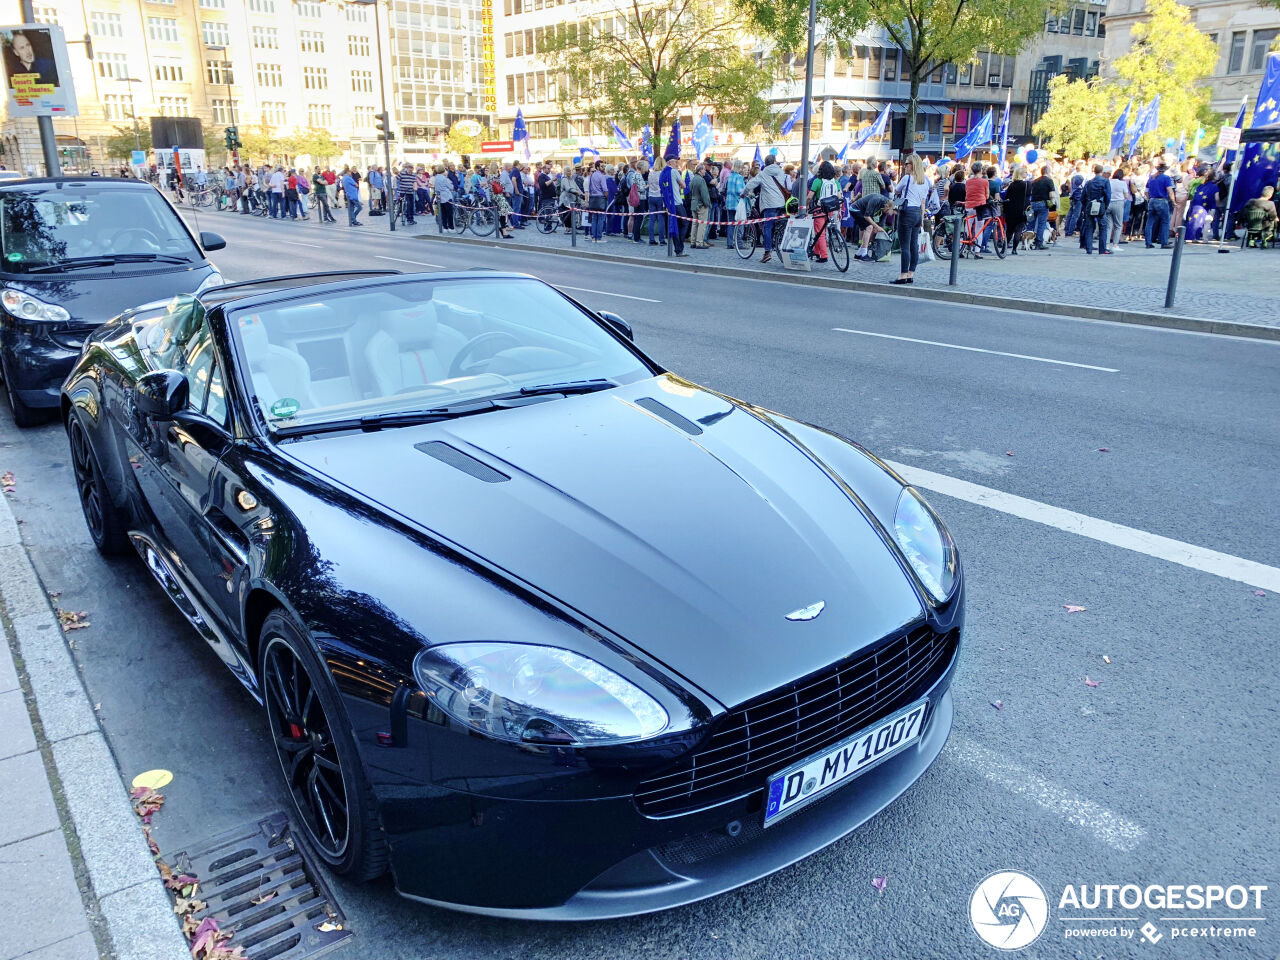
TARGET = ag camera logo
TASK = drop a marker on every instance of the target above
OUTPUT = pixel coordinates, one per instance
(1009, 910)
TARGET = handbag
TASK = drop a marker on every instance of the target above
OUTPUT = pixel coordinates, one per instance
(1095, 208)
(924, 247)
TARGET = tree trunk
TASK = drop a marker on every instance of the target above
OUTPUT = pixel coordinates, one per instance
(913, 102)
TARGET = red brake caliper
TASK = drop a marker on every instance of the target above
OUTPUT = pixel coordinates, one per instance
(295, 731)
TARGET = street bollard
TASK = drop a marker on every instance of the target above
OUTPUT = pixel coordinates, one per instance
(1175, 265)
(573, 226)
(956, 220)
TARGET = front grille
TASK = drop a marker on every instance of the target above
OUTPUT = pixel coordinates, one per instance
(800, 719)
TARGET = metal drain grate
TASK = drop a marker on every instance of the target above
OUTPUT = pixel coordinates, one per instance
(259, 882)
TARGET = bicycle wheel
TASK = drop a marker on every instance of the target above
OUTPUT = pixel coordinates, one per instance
(837, 249)
(745, 240)
(483, 221)
(548, 221)
(941, 240)
(999, 243)
(461, 218)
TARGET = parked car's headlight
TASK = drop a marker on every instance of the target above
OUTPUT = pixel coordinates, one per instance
(534, 694)
(926, 543)
(212, 280)
(26, 307)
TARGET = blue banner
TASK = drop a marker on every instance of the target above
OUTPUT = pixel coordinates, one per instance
(704, 137)
(876, 129)
(646, 144)
(759, 160)
(673, 145)
(1004, 131)
(977, 137)
(789, 124)
(521, 132)
(1121, 129)
(623, 140)
(1261, 161)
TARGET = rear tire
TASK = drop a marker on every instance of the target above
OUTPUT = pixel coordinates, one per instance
(999, 243)
(483, 221)
(106, 523)
(838, 250)
(331, 795)
(744, 240)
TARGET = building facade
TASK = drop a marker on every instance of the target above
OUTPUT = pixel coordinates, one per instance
(1243, 32)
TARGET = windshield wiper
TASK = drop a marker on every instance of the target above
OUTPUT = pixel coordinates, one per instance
(75, 263)
(566, 388)
(379, 421)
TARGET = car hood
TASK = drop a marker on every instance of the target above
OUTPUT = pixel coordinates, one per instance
(690, 526)
(94, 298)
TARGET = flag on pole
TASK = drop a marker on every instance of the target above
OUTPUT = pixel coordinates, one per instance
(1136, 129)
(1182, 147)
(1004, 128)
(521, 132)
(1231, 154)
(673, 145)
(704, 137)
(876, 129)
(623, 140)
(1260, 162)
(1121, 129)
(757, 159)
(646, 144)
(977, 137)
(796, 116)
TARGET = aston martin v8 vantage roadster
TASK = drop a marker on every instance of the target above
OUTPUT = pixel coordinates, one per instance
(546, 630)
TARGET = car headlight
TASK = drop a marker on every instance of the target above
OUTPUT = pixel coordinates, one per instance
(26, 307)
(534, 694)
(212, 280)
(926, 543)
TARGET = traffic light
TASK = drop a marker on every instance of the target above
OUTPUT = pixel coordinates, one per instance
(232, 138)
(382, 123)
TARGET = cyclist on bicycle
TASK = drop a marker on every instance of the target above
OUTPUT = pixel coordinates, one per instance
(824, 201)
(770, 186)
(869, 212)
(977, 198)
(406, 185)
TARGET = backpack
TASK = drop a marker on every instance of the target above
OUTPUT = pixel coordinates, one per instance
(633, 195)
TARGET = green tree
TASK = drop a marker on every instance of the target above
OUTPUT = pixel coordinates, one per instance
(1168, 56)
(261, 142)
(928, 32)
(215, 147)
(314, 142)
(1080, 116)
(121, 144)
(461, 142)
(637, 63)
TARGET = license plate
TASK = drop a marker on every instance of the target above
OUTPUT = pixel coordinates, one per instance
(802, 782)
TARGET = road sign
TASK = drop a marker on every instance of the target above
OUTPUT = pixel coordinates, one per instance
(139, 158)
(1229, 138)
(497, 146)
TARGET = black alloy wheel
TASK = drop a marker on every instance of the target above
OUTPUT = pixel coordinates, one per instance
(106, 526)
(317, 754)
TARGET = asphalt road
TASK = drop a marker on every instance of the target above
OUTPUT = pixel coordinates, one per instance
(1164, 773)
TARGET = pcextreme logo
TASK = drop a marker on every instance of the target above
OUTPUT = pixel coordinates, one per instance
(1009, 909)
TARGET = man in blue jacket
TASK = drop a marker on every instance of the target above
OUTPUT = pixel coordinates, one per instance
(672, 188)
(351, 190)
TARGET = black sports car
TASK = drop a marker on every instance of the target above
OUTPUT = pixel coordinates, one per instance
(546, 629)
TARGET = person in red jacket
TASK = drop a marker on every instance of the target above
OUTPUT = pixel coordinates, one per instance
(977, 197)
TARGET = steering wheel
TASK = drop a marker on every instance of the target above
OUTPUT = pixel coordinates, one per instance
(145, 236)
(459, 367)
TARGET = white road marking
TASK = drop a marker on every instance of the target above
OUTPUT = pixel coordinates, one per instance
(606, 293)
(299, 243)
(421, 263)
(997, 353)
(1110, 828)
(1140, 541)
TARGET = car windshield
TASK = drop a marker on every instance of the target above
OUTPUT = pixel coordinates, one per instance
(407, 346)
(48, 227)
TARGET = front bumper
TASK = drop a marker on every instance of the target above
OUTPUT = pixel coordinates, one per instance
(35, 363)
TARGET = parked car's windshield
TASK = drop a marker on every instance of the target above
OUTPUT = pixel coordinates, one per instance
(46, 227)
(404, 346)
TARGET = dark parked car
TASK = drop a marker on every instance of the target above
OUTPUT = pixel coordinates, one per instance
(548, 630)
(73, 254)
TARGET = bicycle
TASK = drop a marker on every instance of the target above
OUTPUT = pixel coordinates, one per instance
(943, 231)
(547, 217)
(398, 208)
(837, 247)
(751, 235)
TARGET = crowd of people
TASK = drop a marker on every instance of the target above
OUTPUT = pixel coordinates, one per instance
(693, 203)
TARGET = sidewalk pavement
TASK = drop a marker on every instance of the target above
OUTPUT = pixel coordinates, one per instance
(1238, 287)
(77, 881)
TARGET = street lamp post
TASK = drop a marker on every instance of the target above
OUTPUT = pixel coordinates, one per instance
(133, 114)
(231, 104)
(382, 89)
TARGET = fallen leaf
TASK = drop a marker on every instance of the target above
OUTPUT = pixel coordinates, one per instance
(264, 898)
(880, 883)
(1008, 453)
(178, 881)
(8, 481)
(1259, 593)
(1090, 683)
(71, 620)
(1072, 608)
(329, 925)
(1104, 449)
(998, 704)
(1105, 658)
(151, 841)
(205, 936)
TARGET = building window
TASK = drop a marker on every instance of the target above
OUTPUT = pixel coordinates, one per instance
(115, 106)
(318, 115)
(225, 111)
(1235, 59)
(890, 65)
(1262, 40)
(1051, 24)
(315, 78)
(162, 28)
(214, 4)
(174, 107)
(305, 8)
(46, 15)
(358, 46)
(362, 81)
(214, 34)
(219, 71)
(105, 24)
(112, 66)
(1077, 23)
(273, 113)
(311, 41)
(362, 118)
(966, 73)
(263, 6)
(980, 69)
(873, 63)
(1006, 79)
(269, 75)
(169, 2)
(266, 38)
(1091, 24)
(993, 71)
(357, 13)
(169, 71)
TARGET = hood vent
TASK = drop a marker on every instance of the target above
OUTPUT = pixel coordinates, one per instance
(669, 415)
(461, 461)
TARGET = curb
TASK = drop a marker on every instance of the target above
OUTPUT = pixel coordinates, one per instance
(122, 874)
(1171, 321)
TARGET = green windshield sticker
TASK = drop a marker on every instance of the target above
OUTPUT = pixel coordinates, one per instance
(13, 257)
(284, 407)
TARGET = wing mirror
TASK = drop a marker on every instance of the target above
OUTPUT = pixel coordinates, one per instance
(161, 394)
(615, 321)
(211, 241)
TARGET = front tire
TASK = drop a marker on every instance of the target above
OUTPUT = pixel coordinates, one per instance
(838, 250)
(24, 416)
(322, 771)
(106, 524)
(744, 240)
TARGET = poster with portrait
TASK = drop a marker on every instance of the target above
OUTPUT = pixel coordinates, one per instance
(37, 75)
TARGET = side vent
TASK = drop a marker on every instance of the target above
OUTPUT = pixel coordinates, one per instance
(669, 415)
(461, 461)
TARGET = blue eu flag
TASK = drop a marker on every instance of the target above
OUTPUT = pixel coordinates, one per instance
(977, 137)
(796, 116)
(1261, 161)
(646, 144)
(623, 140)
(1121, 129)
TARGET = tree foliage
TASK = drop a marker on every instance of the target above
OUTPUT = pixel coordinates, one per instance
(260, 143)
(1079, 118)
(316, 143)
(461, 142)
(120, 145)
(636, 63)
(928, 32)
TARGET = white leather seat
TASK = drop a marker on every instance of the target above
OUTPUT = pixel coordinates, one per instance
(277, 371)
(411, 349)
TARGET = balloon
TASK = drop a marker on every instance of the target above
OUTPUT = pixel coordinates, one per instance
(773, 151)
(1032, 156)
